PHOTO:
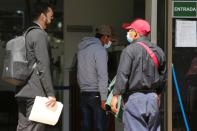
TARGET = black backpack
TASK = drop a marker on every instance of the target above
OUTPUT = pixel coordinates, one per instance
(16, 70)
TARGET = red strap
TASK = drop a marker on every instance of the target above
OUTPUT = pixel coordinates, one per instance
(151, 53)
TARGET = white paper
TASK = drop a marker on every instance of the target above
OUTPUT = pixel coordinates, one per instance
(43, 114)
(186, 33)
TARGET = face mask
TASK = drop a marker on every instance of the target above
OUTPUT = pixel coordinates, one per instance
(108, 44)
(129, 39)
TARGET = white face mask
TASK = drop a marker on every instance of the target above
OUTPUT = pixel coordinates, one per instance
(108, 44)
(129, 39)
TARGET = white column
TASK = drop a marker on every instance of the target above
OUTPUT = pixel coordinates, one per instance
(151, 16)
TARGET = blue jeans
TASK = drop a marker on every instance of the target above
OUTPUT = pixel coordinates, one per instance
(93, 117)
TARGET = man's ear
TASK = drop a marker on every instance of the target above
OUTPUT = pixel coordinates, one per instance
(102, 39)
(43, 16)
(106, 37)
(136, 35)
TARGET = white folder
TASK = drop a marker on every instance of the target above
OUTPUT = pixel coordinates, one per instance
(43, 114)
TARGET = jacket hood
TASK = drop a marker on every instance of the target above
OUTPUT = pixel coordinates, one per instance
(87, 41)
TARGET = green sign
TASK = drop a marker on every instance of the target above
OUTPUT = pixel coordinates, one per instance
(185, 9)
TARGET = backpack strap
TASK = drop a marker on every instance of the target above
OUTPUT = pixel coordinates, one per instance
(151, 53)
(29, 29)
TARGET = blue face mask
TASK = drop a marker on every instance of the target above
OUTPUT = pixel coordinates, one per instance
(129, 39)
(108, 44)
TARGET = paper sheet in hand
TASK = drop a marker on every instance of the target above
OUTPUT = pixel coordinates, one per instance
(43, 114)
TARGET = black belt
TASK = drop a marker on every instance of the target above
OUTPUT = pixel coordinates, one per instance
(130, 92)
(145, 91)
(87, 93)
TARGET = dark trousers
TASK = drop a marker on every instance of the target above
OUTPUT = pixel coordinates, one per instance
(24, 124)
(93, 117)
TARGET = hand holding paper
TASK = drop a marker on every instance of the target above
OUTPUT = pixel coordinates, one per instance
(51, 101)
(45, 114)
(114, 103)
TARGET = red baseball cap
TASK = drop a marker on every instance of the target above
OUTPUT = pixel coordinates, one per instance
(139, 25)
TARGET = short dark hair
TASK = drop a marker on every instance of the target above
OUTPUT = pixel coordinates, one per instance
(39, 8)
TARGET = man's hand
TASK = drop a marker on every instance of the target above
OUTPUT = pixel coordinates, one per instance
(113, 103)
(51, 101)
(103, 104)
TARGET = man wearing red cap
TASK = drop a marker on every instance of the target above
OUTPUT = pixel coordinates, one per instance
(139, 79)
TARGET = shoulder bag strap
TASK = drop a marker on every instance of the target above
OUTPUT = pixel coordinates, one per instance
(151, 53)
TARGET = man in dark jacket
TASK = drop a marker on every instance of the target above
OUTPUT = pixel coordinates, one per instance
(40, 81)
(139, 79)
(92, 77)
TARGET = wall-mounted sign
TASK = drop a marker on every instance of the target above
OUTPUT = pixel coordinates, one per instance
(186, 33)
(184, 9)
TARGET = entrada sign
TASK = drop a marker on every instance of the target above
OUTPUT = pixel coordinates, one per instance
(185, 9)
